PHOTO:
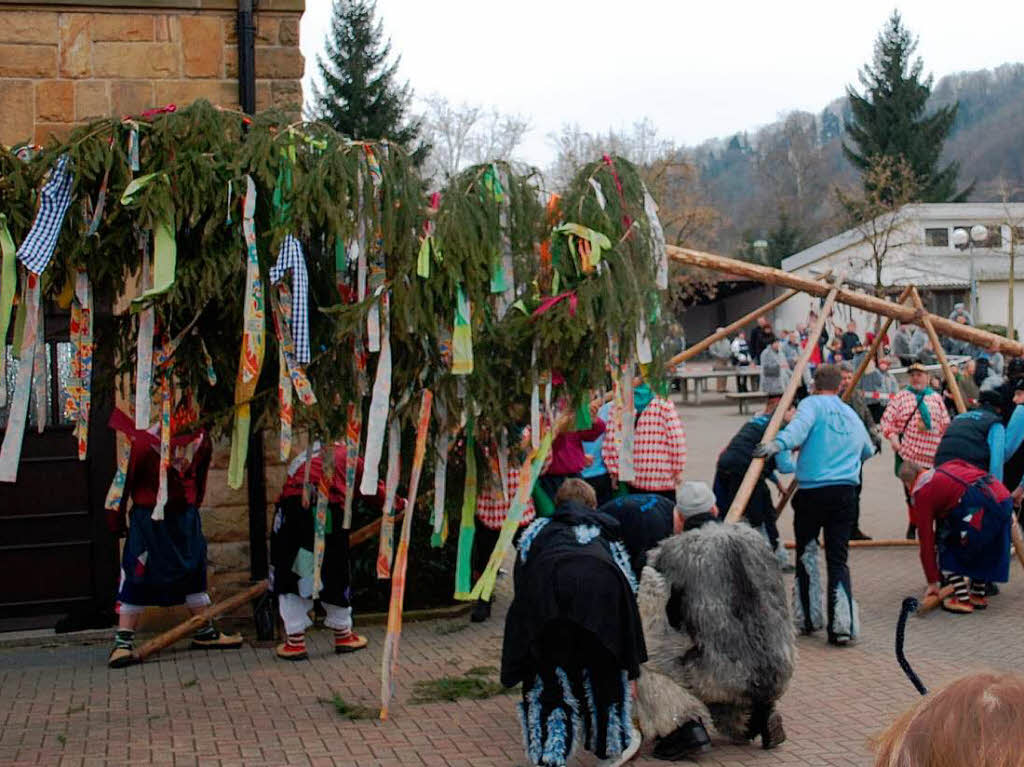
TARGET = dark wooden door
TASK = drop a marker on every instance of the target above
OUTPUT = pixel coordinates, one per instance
(55, 554)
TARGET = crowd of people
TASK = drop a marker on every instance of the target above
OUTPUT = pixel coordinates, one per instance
(612, 632)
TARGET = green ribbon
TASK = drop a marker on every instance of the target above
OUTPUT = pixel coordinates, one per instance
(423, 261)
(597, 240)
(165, 248)
(462, 336)
(467, 524)
(8, 278)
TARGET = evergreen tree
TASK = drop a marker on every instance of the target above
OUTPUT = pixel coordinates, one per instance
(889, 119)
(361, 97)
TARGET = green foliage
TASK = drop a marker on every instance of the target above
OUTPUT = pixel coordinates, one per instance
(471, 686)
(889, 119)
(351, 711)
(361, 98)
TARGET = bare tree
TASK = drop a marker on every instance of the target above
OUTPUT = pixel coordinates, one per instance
(464, 134)
(1007, 193)
(875, 211)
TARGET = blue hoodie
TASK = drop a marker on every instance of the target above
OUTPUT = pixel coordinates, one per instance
(832, 440)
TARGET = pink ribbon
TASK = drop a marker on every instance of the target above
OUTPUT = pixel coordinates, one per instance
(547, 303)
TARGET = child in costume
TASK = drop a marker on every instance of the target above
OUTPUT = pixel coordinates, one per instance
(292, 560)
(164, 558)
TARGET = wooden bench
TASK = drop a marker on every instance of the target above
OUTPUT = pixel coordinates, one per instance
(700, 379)
(745, 398)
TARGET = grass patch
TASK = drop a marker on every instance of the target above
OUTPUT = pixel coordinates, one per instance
(62, 739)
(450, 627)
(76, 709)
(351, 711)
(190, 683)
(473, 685)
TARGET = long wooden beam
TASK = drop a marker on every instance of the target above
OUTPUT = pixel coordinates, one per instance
(739, 503)
(766, 274)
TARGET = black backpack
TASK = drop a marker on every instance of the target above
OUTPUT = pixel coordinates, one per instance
(980, 370)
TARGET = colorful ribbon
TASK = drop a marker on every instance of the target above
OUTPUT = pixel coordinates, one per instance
(462, 335)
(37, 248)
(40, 365)
(116, 491)
(386, 548)
(467, 524)
(290, 259)
(144, 345)
(10, 451)
(290, 373)
(80, 385)
(377, 421)
(437, 539)
(657, 240)
(165, 248)
(391, 640)
(8, 281)
(253, 342)
(590, 243)
(627, 418)
(551, 301)
(323, 493)
(353, 429)
(165, 444)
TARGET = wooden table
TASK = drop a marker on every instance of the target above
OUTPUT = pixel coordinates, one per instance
(700, 379)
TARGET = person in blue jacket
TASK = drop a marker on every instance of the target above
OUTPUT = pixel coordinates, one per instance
(833, 443)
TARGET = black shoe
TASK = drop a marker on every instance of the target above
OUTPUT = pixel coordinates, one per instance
(481, 611)
(859, 535)
(991, 589)
(772, 733)
(688, 739)
(911, 532)
(840, 640)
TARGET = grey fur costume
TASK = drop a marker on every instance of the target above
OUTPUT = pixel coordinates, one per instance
(735, 643)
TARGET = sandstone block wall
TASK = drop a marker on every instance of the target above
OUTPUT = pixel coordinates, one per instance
(62, 65)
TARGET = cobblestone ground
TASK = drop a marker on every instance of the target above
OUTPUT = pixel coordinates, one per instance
(61, 705)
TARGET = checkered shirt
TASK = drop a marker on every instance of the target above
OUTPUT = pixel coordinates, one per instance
(491, 509)
(659, 446)
(290, 257)
(918, 445)
(36, 250)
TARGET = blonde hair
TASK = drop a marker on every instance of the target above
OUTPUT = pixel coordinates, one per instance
(576, 490)
(974, 721)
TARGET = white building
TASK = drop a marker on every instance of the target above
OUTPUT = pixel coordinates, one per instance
(917, 246)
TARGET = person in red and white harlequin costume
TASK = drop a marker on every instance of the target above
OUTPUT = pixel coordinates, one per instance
(659, 445)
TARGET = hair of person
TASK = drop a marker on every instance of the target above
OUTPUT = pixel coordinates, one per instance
(578, 491)
(827, 378)
(845, 367)
(975, 720)
(909, 472)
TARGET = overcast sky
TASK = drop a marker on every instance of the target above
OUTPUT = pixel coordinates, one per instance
(697, 69)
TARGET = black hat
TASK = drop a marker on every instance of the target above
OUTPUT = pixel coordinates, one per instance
(991, 397)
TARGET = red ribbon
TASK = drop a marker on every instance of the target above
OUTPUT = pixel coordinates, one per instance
(159, 111)
(547, 303)
(626, 220)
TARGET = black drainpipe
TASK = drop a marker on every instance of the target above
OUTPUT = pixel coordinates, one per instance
(263, 609)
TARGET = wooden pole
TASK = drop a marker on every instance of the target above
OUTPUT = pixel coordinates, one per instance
(158, 643)
(746, 319)
(869, 355)
(869, 303)
(947, 371)
(739, 503)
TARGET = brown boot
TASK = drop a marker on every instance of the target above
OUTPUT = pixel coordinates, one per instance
(958, 606)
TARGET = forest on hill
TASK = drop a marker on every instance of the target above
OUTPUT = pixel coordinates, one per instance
(778, 182)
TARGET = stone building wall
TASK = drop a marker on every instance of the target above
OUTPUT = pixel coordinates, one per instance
(62, 64)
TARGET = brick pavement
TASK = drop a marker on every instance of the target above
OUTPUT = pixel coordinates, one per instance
(60, 705)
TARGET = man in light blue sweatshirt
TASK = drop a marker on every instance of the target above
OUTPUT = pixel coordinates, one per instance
(833, 443)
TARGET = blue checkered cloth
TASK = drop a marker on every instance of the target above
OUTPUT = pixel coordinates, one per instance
(36, 250)
(290, 258)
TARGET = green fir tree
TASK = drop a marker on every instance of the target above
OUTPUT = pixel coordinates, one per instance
(361, 97)
(889, 119)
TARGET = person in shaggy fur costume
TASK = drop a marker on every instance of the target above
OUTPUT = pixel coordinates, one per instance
(718, 657)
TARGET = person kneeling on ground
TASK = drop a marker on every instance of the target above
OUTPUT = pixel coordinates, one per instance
(719, 634)
(573, 635)
(963, 516)
(292, 559)
(164, 558)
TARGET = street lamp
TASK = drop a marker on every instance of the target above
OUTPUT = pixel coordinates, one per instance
(961, 237)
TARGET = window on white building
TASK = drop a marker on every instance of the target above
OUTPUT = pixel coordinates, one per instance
(936, 237)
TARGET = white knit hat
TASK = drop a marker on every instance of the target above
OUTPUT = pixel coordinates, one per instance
(694, 498)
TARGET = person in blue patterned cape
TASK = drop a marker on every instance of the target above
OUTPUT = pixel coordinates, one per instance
(573, 636)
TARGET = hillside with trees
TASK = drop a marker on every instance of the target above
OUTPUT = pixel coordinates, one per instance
(776, 182)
